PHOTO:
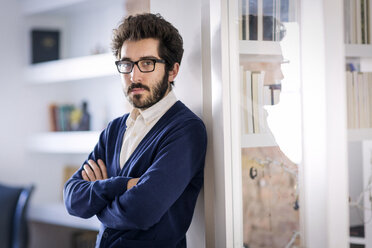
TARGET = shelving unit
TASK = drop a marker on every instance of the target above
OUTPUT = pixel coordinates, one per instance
(63, 142)
(259, 51)
(84, 25)
(358, 50)
(56, 214)
(359, 134)
(94, 66)
(360, 54)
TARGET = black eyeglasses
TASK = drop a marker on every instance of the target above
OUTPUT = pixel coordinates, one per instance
(144, 65)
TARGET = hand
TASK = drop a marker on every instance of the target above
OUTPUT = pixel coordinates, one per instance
(93, 172)
(132, 182)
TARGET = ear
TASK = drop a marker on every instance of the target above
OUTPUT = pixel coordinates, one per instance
(173, 73)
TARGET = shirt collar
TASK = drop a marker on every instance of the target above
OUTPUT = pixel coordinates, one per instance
(155, 111)
(159, 108)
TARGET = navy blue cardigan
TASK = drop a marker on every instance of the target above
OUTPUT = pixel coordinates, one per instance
(157, 211)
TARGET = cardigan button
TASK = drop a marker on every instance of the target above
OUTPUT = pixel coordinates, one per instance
(105, 235)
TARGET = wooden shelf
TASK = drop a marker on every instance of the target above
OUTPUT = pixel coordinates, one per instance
(71, 69)
(258, 140)
(63, 142)
(358, 50)
(56, 214)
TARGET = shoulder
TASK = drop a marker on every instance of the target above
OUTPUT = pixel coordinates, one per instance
(179, 112)
(116, 124)
(180, 119)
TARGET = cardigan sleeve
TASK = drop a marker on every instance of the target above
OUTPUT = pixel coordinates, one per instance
(85, 199)
(180, 157)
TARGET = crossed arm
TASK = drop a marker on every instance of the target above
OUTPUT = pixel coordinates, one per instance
(179, 158)
(97, 171)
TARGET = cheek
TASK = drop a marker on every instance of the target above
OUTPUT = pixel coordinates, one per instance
(125, 81)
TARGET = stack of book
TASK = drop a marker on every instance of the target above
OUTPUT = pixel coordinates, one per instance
(67, 117)
(254, 95)
(358, 21)
(262, 19)
(359, 99)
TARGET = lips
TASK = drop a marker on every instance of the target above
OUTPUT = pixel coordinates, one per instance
(137, 90)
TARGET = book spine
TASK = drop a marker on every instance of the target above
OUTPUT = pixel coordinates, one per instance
(369, 81)
(243, 100)
(261, 103)
(259, 20)
(249, 101)
(242, 20)
(247, 29)
(252, 18)
(358, 21)
(255, 104)
(369, 21)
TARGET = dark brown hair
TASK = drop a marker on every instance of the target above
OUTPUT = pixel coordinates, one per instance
(142, 26)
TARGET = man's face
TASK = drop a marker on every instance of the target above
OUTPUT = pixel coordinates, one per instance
(144, 89)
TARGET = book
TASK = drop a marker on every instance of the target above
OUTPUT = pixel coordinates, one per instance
(358, 21)
(366, 97)
(246, 101)
(356, 99)
(284, 10)
(269, 20)
(349, 98)
(243, 100)
(259, 20)
(369, 80)
(247, 28)
(253, 25)
(261, 103)
(241, 16)
(52, 117)
(45, 45)
(249, 100)
(353, 25)
(369, 21)
(347, 21)
(255, 101)
(67, 173)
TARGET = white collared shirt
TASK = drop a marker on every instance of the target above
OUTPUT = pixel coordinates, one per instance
(139, 123)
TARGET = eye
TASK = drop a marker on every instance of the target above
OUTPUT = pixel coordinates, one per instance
(146, 63)
(126, 65)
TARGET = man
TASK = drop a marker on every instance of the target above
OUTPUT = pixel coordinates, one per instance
(145, 173)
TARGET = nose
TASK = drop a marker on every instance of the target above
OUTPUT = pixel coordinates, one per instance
(136, 74)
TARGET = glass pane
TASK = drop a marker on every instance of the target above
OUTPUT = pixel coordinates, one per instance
(358, 40)
(270, 122)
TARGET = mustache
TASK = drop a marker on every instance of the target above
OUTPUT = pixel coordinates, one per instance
(137, 85)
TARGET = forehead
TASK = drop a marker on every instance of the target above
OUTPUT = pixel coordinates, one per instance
(134, 50)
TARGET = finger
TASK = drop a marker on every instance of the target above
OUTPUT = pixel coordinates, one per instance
(96, 169)
(102, 166)
(84, 175)
(89, 172)
(136, 180)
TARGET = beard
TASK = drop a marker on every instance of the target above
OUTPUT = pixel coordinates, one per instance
(157, 92)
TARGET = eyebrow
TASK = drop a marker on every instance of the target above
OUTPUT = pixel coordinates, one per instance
(144, 57)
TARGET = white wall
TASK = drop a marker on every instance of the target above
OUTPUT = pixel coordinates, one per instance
(12, 93)
(186, 17)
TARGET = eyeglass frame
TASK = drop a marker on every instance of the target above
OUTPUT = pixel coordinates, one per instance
(155, 60)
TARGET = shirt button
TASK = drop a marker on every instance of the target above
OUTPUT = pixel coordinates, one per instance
(105, 235)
